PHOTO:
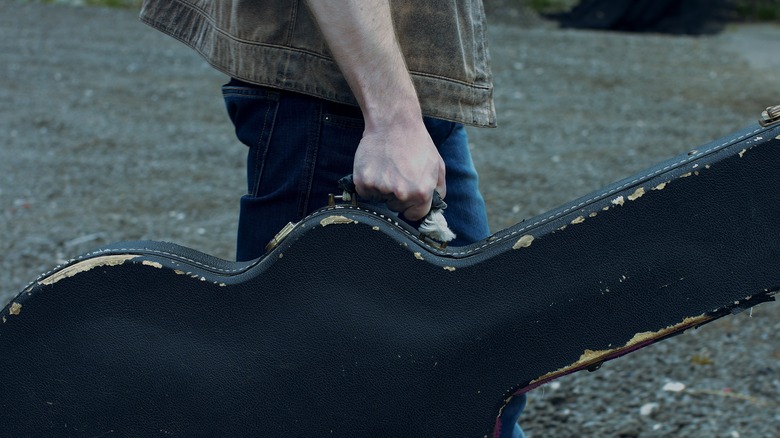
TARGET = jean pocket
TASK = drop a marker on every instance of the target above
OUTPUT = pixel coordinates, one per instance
(349, 122)
(249, 103)
(339, 140)
(253, 113)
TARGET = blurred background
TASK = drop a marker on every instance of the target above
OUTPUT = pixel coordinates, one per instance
(636, 15)
(110, 131)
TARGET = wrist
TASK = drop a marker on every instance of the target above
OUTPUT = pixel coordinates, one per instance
(380, 115)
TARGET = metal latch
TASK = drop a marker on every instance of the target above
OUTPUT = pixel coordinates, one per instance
(432, 242)
(770, 116)
(280, 236)
(346, 197)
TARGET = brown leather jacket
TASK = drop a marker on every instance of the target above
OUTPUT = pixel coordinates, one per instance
(276, 43)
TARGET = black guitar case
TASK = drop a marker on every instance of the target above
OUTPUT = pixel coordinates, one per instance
(354, 326)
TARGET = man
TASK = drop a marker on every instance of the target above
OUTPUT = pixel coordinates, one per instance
(335, 87)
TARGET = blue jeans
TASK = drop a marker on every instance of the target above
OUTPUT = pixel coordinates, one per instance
(299, 147)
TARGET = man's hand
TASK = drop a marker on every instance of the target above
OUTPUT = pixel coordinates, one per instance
(400, 166)
(396, 160)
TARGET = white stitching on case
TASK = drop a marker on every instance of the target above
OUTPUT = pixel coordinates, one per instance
(612, 192)
(395, 223)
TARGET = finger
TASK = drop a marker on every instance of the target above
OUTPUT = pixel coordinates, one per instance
(396, 205)
(441, 182)
(367, 191)
(412, 206)
(417, 211)
(407, 206)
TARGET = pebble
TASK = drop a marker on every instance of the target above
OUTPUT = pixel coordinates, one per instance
(648, 409)
(608, 104)
(674, 387)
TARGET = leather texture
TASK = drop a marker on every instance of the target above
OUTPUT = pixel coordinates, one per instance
(352, 326)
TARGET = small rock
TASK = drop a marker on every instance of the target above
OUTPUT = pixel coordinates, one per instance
(674, 387)
(647, 409)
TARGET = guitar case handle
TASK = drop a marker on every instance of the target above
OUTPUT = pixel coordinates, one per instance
(433, 225)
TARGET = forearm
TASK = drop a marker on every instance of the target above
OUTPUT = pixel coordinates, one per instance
(361, 37)
(396, 160)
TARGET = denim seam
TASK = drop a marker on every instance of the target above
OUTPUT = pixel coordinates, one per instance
(293, 20)
(310, 165)
(249, 93)
(265, 138)
(453, 126)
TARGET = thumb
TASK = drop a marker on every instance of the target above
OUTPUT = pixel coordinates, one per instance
(441, 182)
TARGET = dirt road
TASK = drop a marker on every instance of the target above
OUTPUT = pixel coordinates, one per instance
(110, 131)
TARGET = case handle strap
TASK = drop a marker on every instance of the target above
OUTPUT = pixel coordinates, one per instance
(433, 225)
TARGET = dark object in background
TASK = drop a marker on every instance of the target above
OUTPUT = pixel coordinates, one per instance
(683, 17)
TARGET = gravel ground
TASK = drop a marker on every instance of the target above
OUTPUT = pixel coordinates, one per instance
(110, 131)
